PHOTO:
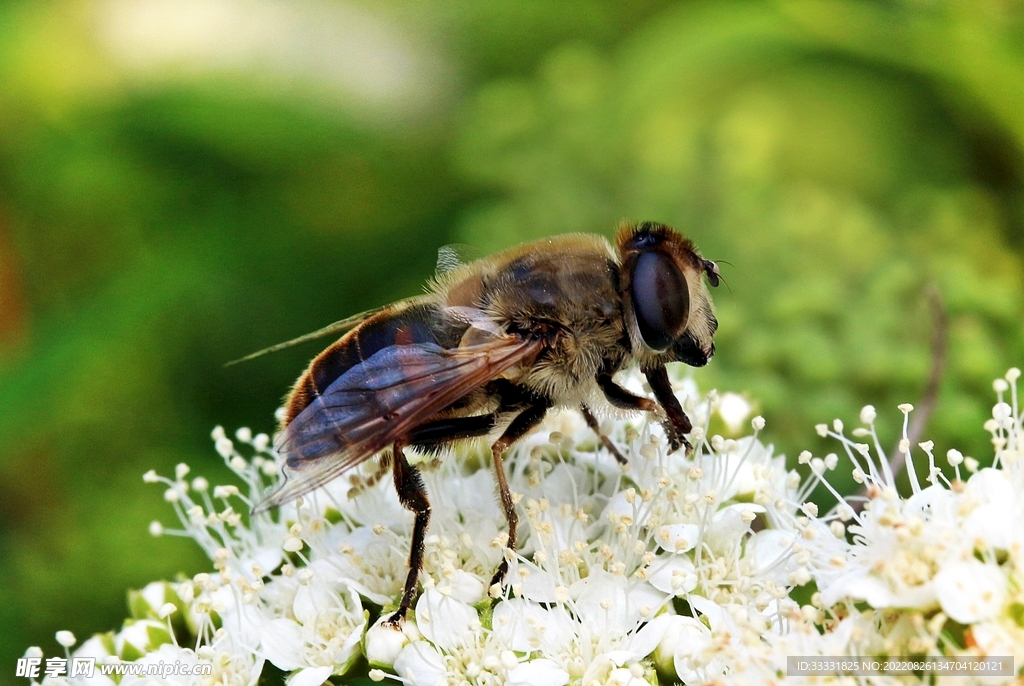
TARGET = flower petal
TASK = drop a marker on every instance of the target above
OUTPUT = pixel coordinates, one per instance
(445, 622)
(970, 591)
(677, 538)
(540, 672)
(310, 676)
(421, 664)
(675, 575)
(281, 642)
(383, 643)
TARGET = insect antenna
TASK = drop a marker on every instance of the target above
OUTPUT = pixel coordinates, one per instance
(722, 277)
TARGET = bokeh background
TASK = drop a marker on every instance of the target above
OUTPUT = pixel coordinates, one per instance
(185, 181)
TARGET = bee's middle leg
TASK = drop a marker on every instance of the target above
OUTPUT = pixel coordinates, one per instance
(525, 422)
(591, 420)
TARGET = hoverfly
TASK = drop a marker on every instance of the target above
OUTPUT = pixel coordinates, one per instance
(491, 347)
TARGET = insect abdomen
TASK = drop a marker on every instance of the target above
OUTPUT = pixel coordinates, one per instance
(417, 324)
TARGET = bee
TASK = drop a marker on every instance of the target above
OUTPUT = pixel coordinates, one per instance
(489, 349)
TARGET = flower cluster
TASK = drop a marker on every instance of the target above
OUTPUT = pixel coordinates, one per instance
(705, 567)
(943, 569)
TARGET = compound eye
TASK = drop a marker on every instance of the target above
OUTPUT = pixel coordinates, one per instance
(643, 240)
(661, 299)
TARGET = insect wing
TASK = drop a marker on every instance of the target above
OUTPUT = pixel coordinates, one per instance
(378, 401)
(340, 326)
(451, 257)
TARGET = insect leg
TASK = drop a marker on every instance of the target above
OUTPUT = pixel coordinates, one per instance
(678, 423)
(437, 433)
(520, 426)
(621, 398)
(413, 497)
(430, 435)
(607, 442)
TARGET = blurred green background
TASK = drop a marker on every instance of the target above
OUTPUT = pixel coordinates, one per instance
(185, 181)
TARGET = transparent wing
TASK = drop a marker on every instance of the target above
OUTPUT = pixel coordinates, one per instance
(380, 400)
(453, 256)
(340, 326)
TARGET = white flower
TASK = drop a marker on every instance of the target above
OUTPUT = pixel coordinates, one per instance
(216, 523)
(139, 637)
(234, 661)
(682, 650)
(324, 629)
(677, 538)
(445, 622)
(607, 605)
(734, 409)
(611, 671)
(422, 665)
(370, 559)
(98, 649)
(970, 591)
(526, 626)
(1000, 637)
(994, 522)
(769, 553)
(383, 642)
(539, 672)
(606, 558)
(724, 533)
(310, 676)
(674, 575)
(166, 654)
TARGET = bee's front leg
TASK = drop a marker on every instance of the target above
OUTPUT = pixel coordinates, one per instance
(619, 397)
(677, 424)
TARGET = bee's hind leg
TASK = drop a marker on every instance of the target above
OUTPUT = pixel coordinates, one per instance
(591, 420)
(413, 496)
(520, 426)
